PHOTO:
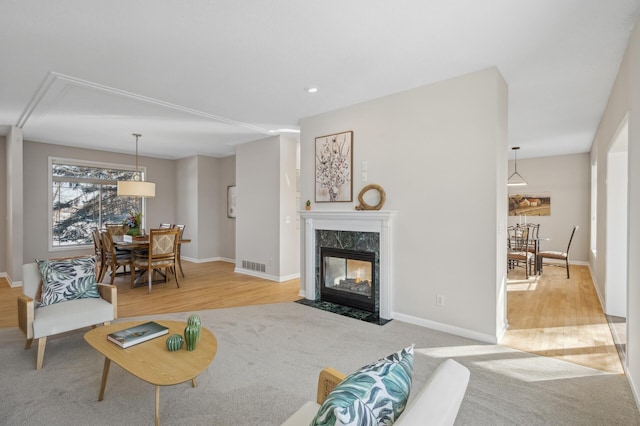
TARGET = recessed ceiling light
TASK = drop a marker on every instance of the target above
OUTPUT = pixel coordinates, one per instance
(311, 89)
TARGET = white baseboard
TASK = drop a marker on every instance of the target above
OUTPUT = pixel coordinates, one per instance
(266, 276)
(210, 259)
(12, 284)
(458, 331)
(634, 388)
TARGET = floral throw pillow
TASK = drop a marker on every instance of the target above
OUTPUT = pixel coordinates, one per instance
(374, 395)
(68, 279)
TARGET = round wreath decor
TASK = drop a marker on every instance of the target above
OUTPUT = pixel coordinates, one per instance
(381, 193)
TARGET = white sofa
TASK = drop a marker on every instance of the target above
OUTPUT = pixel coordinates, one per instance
(38, 323)
(437, 403)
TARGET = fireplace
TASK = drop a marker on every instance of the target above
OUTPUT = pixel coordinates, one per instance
(369, 231)
(347, 277)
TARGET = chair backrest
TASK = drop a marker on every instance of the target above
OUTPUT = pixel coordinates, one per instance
(116, 229)
(163, 243)
(165, 225)
(518, 237)
(97, 243)
(571, 237)
(107, 243)
(181, 228)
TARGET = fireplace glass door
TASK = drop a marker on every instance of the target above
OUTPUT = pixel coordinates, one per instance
(347, 278)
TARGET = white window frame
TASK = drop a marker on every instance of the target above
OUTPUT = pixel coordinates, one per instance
(88, 163)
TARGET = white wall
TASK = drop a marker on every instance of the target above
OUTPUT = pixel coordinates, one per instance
(289, 231)
(439, 151)
(15, 204)
(567, 179)
(624, 98)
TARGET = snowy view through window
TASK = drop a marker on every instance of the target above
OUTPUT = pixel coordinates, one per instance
(85, 197)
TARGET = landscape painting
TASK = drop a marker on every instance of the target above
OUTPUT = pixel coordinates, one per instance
(530, 204)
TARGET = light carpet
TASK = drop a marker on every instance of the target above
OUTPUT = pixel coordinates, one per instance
(267, 365)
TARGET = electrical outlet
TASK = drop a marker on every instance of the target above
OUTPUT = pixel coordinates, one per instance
(364, 177)
(439, 300)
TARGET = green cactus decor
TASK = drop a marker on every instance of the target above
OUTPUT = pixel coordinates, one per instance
(174, 342)
(191, 336)
(194, 319)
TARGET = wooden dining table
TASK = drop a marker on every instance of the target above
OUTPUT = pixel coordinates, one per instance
(142, 243)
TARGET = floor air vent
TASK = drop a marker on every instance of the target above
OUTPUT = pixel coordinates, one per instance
(253, 266)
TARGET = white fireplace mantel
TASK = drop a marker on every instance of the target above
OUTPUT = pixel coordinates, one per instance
(379, 221)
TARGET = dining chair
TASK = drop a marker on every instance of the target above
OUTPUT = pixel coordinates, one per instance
(99, 251)
(114, 259)
(534, 243)
(162, 254)
(558, 255)
(181, 228)
(115, 228)
(518, 241)
(165, 226)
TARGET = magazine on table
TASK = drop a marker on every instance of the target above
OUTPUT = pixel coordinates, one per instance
(137, 334)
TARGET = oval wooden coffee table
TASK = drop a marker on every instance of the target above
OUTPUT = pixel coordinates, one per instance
(151, 360)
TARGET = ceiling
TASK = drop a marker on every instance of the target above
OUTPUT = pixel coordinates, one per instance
(200, 77)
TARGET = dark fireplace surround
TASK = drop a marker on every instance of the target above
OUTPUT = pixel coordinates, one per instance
(361, 247)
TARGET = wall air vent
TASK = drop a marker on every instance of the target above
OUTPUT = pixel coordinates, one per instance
(253, 266)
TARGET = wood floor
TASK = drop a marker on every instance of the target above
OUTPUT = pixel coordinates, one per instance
(549, 316)
(561, 318)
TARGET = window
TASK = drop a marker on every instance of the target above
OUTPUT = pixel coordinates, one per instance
(84, 196)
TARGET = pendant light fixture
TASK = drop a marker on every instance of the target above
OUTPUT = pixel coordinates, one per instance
(136, 187)
(515, 179)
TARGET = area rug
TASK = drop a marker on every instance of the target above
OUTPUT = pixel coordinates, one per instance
(267, 364)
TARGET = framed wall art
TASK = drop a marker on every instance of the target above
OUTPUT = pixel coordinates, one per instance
(334, 165)
(530, 204)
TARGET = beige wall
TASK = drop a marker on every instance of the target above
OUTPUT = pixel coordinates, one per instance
(173, 202)
(567, 179)
(624, 99)
(227, 224)
(36, 192)
(3, 207)
(264, 201)
(200, 203)
(258, 192)
(439, 151)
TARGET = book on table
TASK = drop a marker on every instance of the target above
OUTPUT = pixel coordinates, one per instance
(137, 334)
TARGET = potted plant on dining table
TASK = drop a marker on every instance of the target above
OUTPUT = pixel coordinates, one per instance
(133, 222)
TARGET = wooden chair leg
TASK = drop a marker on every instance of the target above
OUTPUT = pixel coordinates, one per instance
(150, 273)
(42, 342)
(28, 344)
(567, 268)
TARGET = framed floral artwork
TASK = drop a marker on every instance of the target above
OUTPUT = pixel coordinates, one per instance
(334, 165)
